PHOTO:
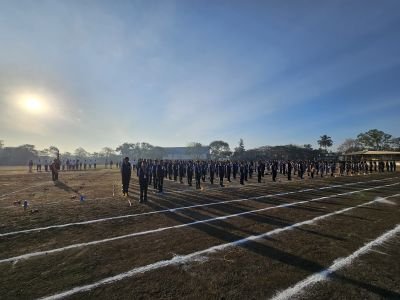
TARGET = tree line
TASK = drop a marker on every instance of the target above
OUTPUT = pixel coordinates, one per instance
(373, 139)
(219, 150)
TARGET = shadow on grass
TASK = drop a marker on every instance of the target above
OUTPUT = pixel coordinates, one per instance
(221, 230)
(65, 187)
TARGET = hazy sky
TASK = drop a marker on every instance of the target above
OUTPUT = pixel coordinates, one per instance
(100, 73)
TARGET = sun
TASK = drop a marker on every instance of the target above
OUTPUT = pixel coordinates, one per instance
(33, 104)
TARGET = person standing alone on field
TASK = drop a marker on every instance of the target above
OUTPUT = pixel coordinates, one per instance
(126, 171)
(55, 168)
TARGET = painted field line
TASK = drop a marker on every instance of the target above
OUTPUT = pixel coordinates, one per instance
(178, 260)
(338, 264)
(161, 229)
(176, 209)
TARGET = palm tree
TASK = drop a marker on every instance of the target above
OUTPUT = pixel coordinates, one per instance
(325, 141)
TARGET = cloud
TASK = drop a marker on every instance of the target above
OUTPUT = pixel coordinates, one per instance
(172, 72)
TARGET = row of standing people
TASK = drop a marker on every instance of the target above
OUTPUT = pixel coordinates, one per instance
(153, 172)
(65, 165)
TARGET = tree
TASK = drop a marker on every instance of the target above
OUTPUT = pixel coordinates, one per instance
(146, 149)
(66, 154)
(307, 146)
(374, 139)
(325, 141)
(82, 153)
(349, 145)
(18, 155)
(156, 153)
(195, 149)
(54, 150)
(220, 150)
(44, 152)
(107, 152)
(125, 149)
(395, 143)
(240, 150)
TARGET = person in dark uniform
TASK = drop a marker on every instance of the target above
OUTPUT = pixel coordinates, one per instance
(126, 170)
(289, 170)
(170, 170)
(181, 171)
(221, 172)
(175, 170)
(212, 172)
(235, 168)
(246, 170)
(197, 174)
(259, 171)
(302, 170)
(228, 170)
(149, 167)
(189, 173)
(55, 168)
(274, 170)
(143, 181)
(154, 174)
(241, 171)
(203, 171)
(166, 170)
(39, 166)
(160, 176)
(262, 169)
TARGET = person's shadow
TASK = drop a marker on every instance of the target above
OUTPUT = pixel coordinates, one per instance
(65, 187)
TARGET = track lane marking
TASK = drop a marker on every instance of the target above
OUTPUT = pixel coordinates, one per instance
(178, 260)
(141, 233)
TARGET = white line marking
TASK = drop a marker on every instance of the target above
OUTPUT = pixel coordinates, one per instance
(178, 260)
(338, 264)
(141, 233)
(384, 200)
(175, 209)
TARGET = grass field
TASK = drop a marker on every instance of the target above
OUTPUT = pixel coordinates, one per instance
(307, 239)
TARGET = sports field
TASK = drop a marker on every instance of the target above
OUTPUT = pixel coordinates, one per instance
(321, 238)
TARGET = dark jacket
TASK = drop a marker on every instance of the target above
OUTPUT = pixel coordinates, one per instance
(143, 176)
(126, 169)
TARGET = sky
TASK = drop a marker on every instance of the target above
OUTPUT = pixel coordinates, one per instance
(78, 73)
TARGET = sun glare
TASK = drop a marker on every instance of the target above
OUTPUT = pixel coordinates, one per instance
(33, 104)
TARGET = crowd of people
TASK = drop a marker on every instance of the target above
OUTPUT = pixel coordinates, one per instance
(153, 172)
(66, 164)
(72, 164)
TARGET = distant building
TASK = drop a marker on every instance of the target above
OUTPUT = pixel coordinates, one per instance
(372, 155)
(186, 153)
